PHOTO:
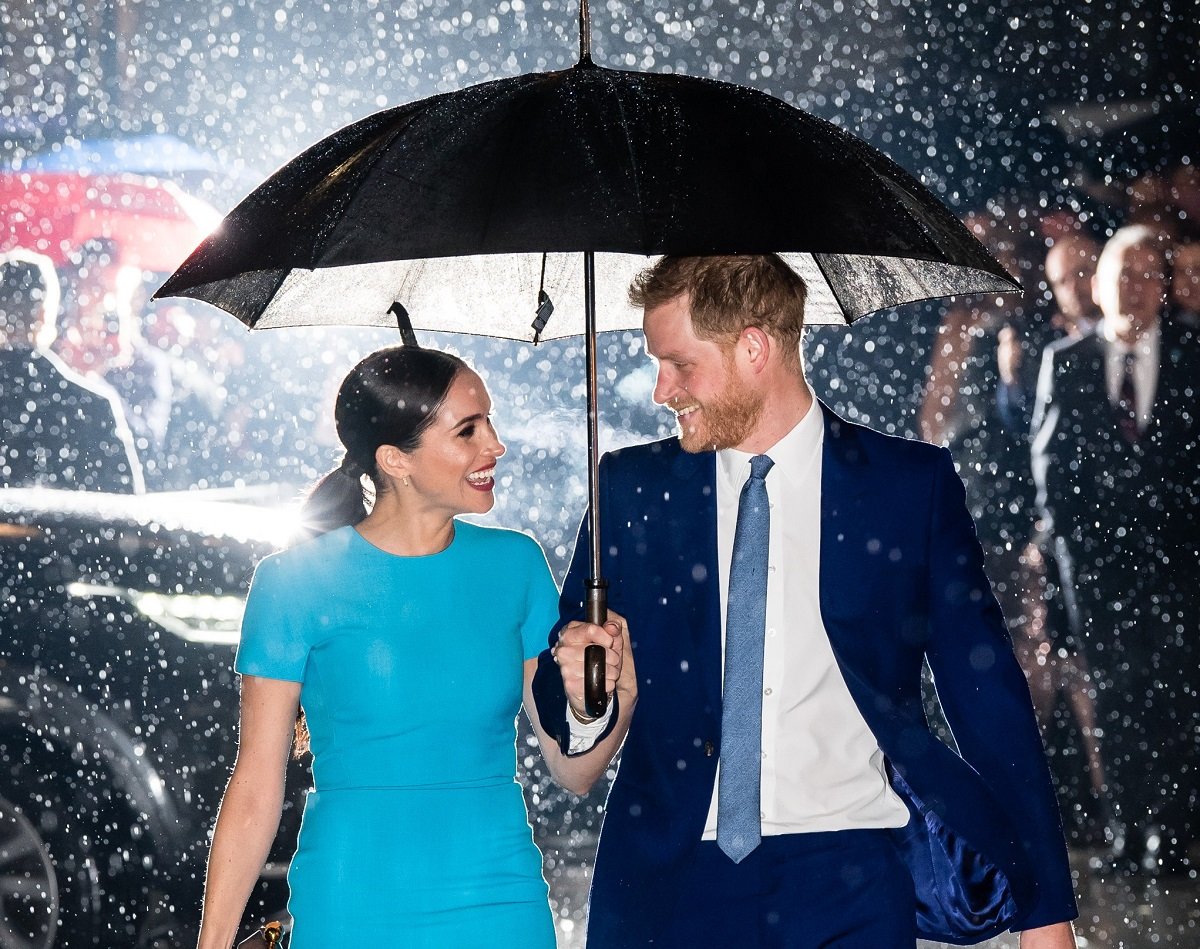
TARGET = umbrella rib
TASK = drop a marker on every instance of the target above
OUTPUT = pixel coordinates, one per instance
(635, 170)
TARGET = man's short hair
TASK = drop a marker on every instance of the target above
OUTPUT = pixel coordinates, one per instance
(29, 291)
(728, 294)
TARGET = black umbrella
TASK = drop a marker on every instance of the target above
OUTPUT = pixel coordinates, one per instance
(466, 209)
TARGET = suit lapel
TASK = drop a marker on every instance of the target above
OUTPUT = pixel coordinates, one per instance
(692, 527)
(844, 475)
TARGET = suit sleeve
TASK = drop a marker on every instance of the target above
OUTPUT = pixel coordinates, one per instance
(985, 698)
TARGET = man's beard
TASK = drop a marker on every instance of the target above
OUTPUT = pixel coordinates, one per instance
(725, 422)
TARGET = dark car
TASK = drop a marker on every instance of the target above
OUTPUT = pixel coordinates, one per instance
(118, 711)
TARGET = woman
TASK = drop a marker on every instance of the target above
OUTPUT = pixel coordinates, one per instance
(403, 633)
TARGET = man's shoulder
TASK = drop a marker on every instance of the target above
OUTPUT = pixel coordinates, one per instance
(662, 452)
(854, 440)
(83, 387)
(1073, 350)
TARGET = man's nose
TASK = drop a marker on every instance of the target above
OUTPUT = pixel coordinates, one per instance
(664, 388)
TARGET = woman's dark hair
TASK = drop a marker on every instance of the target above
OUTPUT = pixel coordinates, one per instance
(389, 398)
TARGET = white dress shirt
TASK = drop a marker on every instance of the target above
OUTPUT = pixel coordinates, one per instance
(1145, 370)
(822, 768)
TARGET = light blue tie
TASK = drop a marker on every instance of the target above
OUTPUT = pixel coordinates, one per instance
(738, 800)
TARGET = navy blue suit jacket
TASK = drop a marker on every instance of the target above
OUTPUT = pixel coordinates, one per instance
(901, 581)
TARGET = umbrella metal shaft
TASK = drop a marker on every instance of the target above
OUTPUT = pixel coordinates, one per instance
(595, 695)
(593, 424)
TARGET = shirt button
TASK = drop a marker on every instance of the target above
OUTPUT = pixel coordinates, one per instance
(771, 631)
(767, 690)
(771, 568)
(764, 756)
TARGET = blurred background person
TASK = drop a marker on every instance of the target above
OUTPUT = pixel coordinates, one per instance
(102, 339)
(1118, 474)
(56, 428)
(977, 402)
(1184, 195)
(1184, 295)
(1070, 267)
(172, 406)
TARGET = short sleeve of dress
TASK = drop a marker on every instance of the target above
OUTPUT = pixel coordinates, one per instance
(542, 607)
(273, 644)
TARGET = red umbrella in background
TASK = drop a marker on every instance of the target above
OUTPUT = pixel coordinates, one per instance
(154, 224)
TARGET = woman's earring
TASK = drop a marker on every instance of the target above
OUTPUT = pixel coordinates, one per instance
(407, 483)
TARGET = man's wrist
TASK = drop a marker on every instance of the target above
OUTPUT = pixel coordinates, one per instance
(581, 719)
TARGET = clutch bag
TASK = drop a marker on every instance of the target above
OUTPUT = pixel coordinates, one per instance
(267, 935)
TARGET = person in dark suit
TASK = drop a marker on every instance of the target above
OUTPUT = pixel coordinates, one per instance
(1117, 467)
(56, 429)
(783, 574)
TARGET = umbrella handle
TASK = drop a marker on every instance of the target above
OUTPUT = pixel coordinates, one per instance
(595, 697)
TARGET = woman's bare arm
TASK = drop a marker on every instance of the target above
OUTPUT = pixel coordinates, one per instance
(250, 810)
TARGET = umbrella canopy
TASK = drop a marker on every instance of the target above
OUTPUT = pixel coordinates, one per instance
(154, 224)
(447, 205)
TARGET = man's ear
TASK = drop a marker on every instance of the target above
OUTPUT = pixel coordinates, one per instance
(756, 346)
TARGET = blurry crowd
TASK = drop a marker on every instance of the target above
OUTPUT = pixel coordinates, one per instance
(106, 389)
(1072, 417)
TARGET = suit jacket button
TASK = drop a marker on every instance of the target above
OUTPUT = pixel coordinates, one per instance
(708, 749)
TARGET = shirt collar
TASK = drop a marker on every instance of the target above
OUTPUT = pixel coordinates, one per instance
(1146, 345)
(793, 454)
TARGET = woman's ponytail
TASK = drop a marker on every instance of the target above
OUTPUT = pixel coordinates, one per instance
(339, 499)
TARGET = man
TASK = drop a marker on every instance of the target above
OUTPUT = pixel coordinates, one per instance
(1185, 285)
(1070, 269)
(811, 565)
(1117, 465)
(55, 428)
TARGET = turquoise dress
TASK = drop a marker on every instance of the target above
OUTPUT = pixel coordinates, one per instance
(415, 833)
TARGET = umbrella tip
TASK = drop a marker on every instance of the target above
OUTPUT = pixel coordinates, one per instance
(585, 34)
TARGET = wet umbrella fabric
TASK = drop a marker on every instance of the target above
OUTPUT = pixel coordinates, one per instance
(447, 204)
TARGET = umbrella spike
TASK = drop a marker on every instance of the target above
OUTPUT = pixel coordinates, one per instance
(585, 34)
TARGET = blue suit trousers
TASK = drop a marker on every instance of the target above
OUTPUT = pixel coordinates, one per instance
(846, 889)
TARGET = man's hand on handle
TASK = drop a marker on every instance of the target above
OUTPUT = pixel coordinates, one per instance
(574, 638)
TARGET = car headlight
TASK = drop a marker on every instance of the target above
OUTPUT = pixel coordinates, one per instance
(195, 617)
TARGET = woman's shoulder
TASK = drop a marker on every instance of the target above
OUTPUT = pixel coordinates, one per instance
(308, 558)
(499, 539)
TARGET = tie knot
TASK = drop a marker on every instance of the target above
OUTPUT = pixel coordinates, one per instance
(759, 466)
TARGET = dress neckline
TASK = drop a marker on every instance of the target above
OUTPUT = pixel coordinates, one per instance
(406, 558)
